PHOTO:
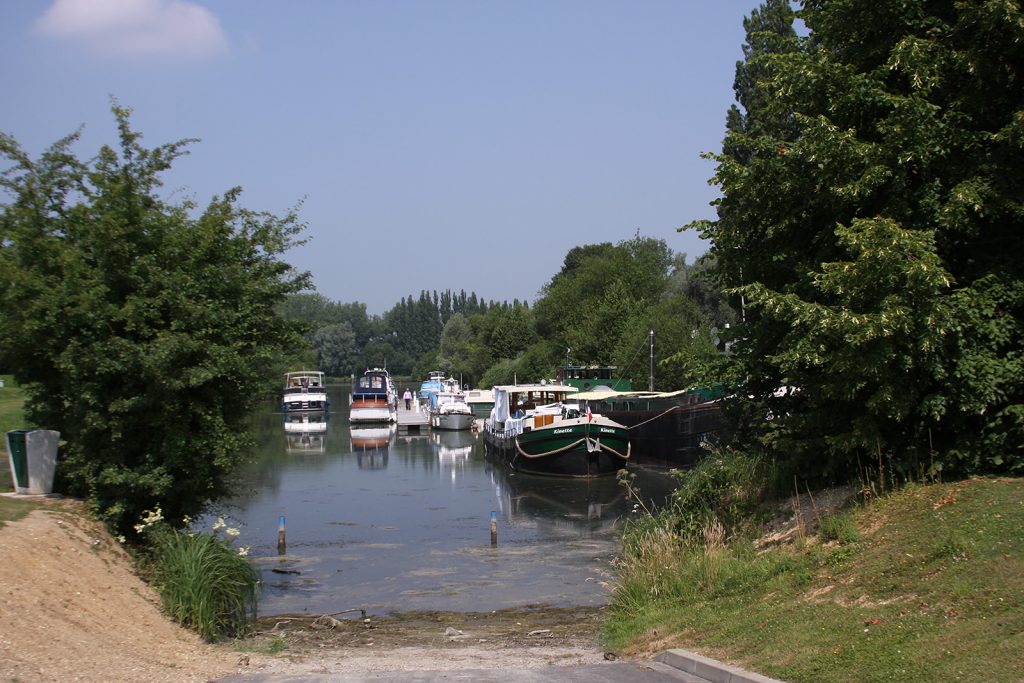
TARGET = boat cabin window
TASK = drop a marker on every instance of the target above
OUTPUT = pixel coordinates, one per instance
(371, 382)
(531, 399)
(580, 372)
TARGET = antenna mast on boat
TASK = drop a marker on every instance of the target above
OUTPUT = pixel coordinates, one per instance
(650, 375)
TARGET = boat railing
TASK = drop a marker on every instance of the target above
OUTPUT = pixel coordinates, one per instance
(510, 428)
(304, 390)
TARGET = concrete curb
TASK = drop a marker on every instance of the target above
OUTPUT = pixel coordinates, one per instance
(710, 669)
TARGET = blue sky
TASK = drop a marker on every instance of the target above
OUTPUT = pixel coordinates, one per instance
(462, 144)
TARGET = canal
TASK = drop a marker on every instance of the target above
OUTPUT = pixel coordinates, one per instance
(387, 522)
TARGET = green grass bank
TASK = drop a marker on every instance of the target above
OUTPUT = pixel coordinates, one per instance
(12, 416)
(923, 584)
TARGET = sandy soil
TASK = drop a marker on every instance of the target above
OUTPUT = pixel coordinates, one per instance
(71, 609)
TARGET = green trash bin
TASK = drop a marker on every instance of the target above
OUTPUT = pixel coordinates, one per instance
(19, 459)
(33, 455)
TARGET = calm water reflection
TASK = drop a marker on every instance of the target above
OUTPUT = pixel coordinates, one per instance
(389, 523)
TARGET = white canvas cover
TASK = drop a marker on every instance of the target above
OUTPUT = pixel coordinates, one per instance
(501, 408)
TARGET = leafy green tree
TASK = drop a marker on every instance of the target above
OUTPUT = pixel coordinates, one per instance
(456, 340)
(769, 31)
(539, 362)
(336, 349)
(698, 283)
(513, 331)
(586, 304)
(682, 343)
(142, 333)
(502, 372)
(308, 307)
(874, 223)
(380, 352)
(413, 327)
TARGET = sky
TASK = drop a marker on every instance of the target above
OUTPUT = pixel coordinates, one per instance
(432, 144)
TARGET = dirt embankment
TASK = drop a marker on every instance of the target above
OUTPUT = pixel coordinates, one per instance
(71, 609)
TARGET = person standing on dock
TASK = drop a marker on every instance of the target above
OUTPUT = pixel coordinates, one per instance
(408, 399)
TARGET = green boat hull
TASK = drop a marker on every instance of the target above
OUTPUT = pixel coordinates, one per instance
(579, 450)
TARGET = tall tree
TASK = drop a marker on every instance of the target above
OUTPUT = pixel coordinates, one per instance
(336, 350)
(453, 355)
(513, 331)
(586, 304)
(143, 334)
(874, 223)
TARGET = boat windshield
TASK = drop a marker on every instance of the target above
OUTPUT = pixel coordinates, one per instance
(371, 382)
(303, 381)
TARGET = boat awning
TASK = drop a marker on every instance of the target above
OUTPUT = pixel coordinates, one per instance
(503, 396)
(602, 395)
(524, 388)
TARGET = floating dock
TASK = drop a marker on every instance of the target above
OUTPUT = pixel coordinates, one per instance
(412, 421)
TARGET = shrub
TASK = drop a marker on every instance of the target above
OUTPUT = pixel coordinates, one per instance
(728, 486)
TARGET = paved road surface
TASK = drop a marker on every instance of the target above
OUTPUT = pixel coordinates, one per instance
(671, 666)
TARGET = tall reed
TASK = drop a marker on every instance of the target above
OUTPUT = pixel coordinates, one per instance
(205, 584)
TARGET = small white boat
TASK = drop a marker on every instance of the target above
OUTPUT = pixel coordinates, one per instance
(449, 411)
(304, 391)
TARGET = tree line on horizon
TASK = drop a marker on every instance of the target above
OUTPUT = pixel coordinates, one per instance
(596, 310)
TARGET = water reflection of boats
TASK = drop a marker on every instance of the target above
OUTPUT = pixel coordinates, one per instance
(578, 505)
(305, 432)
(371, 445)
(454, 452)
(453, 445)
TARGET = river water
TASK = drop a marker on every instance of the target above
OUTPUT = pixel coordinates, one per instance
(388, 523)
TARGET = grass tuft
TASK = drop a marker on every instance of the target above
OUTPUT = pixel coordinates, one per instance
(204, 584)
(838, 527)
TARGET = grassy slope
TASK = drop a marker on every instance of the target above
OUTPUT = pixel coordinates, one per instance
(932, 590)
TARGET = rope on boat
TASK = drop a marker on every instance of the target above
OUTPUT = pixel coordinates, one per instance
(629, 449)
(654, 418)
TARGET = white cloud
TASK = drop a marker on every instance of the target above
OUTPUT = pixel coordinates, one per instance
(164, 28)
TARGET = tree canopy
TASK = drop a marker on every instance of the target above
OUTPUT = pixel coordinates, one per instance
(871, 216)
(143, 331)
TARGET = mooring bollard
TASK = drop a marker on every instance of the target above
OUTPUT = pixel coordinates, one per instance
(494, 528)
(281, 545)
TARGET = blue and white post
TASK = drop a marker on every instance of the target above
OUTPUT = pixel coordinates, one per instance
(281, 545)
